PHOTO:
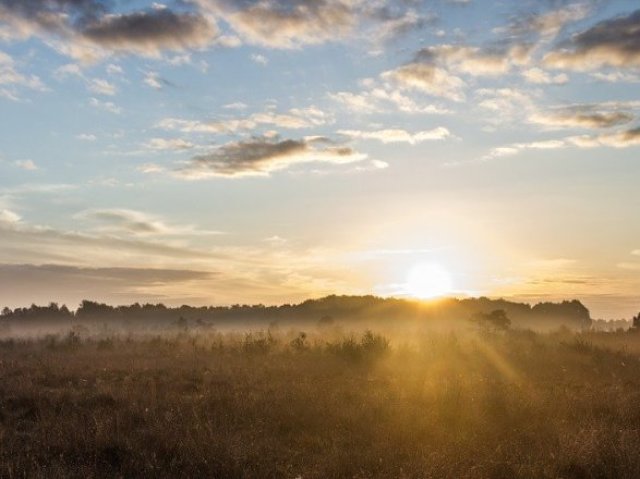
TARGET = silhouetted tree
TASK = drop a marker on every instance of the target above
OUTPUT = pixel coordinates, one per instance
(568, 313)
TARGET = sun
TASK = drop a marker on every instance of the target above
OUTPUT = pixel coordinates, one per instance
(428, 280)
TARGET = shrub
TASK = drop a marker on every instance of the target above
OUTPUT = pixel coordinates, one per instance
(258, 343)
(374, 344)
(299, 343)
(370, 346)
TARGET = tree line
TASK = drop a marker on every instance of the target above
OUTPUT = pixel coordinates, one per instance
(329, 309)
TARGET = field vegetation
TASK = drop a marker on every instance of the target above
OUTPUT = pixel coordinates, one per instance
(327, 403)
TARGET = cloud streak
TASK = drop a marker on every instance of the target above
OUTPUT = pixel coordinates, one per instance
(582, 116)
(137, 223)
(617, 139)
(262, 156)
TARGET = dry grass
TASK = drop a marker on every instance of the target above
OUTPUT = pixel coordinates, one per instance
(465, 406)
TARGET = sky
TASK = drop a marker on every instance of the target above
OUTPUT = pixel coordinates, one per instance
(268, 151)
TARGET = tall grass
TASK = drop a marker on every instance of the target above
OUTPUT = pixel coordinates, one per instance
(271, 405)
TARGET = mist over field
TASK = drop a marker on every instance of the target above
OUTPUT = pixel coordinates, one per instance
(345, 312)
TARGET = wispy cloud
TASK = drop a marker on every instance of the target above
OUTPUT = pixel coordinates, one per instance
(12, 82)
(398, 135)
(616, 77)
(171, 144)
(260, 59)
(540, 77)
(105, 105)
(617, 139)
(151, 79)
(122, 220)
(8, 217)
(86, 137)
(547, 24)
(295, 118)
(375, 98)
(28, 165)
(102, 87)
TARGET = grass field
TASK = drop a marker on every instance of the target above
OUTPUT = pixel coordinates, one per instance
(467, 405)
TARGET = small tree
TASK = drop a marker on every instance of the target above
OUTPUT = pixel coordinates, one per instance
(636, 322)
(496, 320)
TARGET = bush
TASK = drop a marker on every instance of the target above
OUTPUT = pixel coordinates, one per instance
(374, 344)
(370, 346)
(258, 343)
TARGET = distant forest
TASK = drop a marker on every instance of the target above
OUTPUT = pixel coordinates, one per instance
(347, 310)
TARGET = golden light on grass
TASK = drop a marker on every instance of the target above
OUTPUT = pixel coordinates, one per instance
(428, 280)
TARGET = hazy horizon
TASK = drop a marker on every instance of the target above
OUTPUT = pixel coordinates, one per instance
(214, 152)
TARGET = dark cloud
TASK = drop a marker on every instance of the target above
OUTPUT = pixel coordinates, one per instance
(23, 284)
(260, 156)
(49, 16)
(81, 28)
(44, 11)
(613, 42)
(151, 31)
(136, 275)
(83, 24)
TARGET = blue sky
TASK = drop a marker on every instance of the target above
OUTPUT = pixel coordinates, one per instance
(224, 151)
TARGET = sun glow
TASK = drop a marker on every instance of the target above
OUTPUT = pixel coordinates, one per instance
(428, 280)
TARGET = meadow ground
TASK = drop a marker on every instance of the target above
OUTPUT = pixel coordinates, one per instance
(465, 405)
